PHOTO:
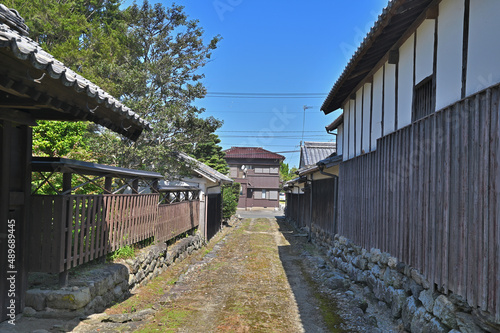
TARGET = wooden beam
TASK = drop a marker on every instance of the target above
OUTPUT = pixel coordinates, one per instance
(18, 117)
(432, 13)
(394, 56)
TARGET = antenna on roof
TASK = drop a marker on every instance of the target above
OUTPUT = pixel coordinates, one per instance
(304, 122)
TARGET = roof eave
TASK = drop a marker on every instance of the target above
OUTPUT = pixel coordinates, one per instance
(411, 8)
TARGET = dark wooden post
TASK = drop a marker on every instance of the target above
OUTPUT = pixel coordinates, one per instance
(63, 276)
(135, 186)
(107, 184)
(15, 195)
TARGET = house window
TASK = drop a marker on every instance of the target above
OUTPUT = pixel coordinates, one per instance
(263, 194)
(233, 172)
(274, 170)
(258, 170)
(273, 195)
(424, 99)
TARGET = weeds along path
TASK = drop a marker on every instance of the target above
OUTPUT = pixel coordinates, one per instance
(243, 288)
(251, 280)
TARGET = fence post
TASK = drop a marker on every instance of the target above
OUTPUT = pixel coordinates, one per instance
(63, 276)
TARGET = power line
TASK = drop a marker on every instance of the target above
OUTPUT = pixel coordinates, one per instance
(266, 94)
(263, 97)
(274, 136)
(259, 131)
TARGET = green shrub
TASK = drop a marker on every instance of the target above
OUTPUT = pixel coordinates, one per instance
(230, 197)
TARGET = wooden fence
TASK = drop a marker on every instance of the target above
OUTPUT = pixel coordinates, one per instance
(429, 195)
(177, 218)
(297, 208)
(70, 230)
(325, 198)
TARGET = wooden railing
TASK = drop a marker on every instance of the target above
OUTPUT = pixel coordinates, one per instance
(430, 195)
(70, 230)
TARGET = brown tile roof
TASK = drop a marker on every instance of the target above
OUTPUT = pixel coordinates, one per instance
(252, 152)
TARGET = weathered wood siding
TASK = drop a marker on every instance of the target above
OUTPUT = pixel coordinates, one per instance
(298, 208)
(324, 217)
(429, 195)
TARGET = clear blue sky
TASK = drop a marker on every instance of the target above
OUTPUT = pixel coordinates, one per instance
(277, 47)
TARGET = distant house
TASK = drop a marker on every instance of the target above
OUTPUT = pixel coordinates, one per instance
(210, 182)
(419, 137)
(257, 170)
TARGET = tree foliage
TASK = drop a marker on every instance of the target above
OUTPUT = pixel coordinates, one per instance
(148, 55)
(286, 173)
(210, 153)
(230, 197)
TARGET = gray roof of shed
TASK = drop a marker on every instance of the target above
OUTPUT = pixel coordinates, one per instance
(59, 164)
(204, 170)
(313, 152)
(59, 93)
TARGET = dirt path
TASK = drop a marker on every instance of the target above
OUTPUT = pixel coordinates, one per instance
(256, 276)
(247, 283)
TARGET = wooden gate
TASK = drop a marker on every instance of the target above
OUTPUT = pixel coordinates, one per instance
(214, 214)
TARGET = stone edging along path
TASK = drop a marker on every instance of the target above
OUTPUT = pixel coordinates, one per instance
(93, 291)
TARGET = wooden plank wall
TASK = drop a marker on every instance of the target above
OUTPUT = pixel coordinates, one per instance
(68, 231)
(298, 208)
(176, 219)
(429, 196)
(325, 193)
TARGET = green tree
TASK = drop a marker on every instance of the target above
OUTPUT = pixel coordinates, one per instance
(148, 55)
(230, 197)
(286, 173)
(161, 83)
(210, 153)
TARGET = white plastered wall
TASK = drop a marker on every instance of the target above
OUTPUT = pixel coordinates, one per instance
(449, 53)
(424, 62)
(346, 132)
(367, 92)
(352, 112)
(359, 120)
(378, 84)
(389, 98)
(340, 139)
(483, 68)
(405, 82)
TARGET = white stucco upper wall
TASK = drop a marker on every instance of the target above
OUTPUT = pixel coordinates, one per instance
(359, 120)
(483, 69)
(367, 93)
(352, 112)
(378, 86)
(405, 81)
(449, 53)
(424, 62)
(340, 139)
(389, 98)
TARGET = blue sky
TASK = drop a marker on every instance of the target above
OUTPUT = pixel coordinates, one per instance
(277, 47)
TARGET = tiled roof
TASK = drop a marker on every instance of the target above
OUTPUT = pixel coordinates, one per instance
(313, 152)
(108, 111)
(395, 19)
(252, 152)
(204, 170)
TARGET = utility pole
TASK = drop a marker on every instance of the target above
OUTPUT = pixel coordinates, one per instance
(304, 122)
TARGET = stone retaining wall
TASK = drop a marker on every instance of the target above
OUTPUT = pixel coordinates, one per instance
(94, 290)
(404, 290)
